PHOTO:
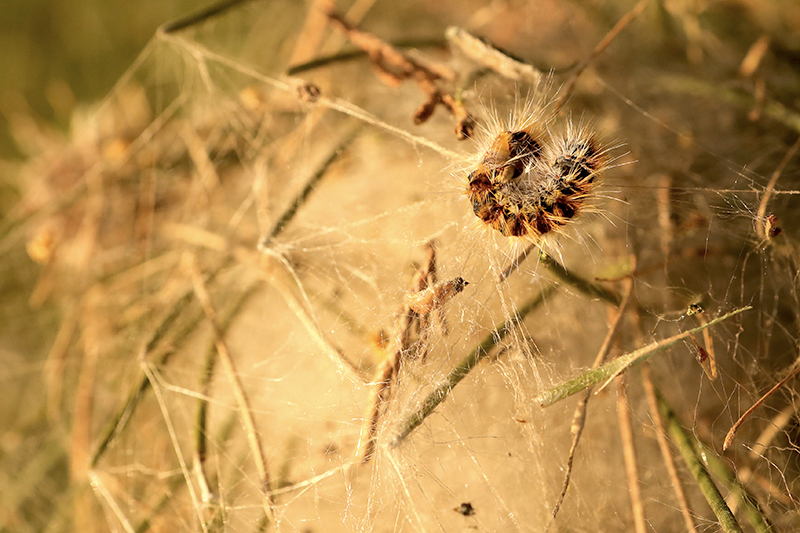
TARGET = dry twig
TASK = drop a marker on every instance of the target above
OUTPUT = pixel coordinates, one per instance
(425, 298)
(393, 67)
(491, 57)
(514, 265)
(579, 416)
(764, 229)
(599, 49)
(629, 452)
(666, 454)
(466, 365)
(732, 432)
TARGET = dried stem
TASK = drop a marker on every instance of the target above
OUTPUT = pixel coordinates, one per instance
(83, 408)
(393, 66)
(102, 491)
(576, 428)
(754, 56)
(487, 55)
(761, 217)
(122, 416)
(777, 424)
(201, 418)
(665, 225)
(55, 362)
(290, 287)
(732, 432)
(590, 289)
(391, 366)
(149, 372)
(629, 452)
(383, 385)
(579, 416)
(666, 454)
(710, 362)
(599, 49)
(425, 298)
(200, 16)
(511, 268)
(352, 55)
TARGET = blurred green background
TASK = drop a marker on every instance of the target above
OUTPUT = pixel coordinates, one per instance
(56, 49)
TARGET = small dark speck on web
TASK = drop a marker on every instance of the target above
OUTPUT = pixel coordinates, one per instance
(465, 509)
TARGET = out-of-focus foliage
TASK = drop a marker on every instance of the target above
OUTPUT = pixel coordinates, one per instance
(59, 52)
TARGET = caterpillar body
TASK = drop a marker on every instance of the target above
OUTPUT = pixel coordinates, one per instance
(527, 185)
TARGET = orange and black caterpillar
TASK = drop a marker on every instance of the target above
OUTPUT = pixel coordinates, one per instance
(524, 188)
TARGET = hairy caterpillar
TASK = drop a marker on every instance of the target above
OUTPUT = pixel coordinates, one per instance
(528, 184)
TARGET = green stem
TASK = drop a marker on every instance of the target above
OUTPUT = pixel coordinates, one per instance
(687, 447)
(751, 508)
(463, 368)
(308, 188)
(201, 16)
(593, 290)
(619, 365)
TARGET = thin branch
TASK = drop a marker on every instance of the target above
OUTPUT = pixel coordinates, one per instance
(308, 188)
(149, 372)
(103, 493)
(708, 355)
(300, 306)
(664, 205)
(352, 55)
(629, 452)
(122, 416)
(576, 428)
(393, 66)
(516, 263)
(754, 56)
(491, 57)
(201, 418)
(200, 16)
(54, 365)
(777, 424)
(737, 490)
(391, 366)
